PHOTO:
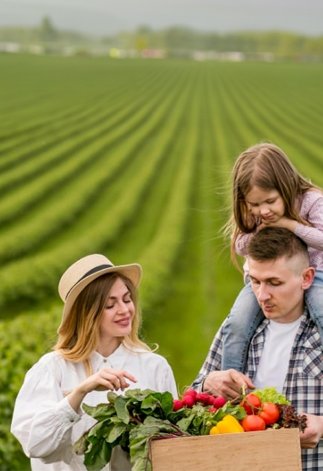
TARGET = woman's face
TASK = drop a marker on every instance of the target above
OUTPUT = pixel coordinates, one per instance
(118, 314)
(267, 205)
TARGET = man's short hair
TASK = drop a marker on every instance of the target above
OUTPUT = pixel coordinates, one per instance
(272, 243)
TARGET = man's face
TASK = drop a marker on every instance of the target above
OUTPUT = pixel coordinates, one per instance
(279, 286)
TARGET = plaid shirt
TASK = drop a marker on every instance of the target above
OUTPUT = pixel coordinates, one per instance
(304, 381)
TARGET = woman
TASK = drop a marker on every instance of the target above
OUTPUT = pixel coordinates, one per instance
(98, 349)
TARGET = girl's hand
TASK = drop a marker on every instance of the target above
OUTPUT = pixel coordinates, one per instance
(313, 432)
(287, 223)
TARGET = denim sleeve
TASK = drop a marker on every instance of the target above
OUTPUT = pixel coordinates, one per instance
(314, 301)
(212, 361)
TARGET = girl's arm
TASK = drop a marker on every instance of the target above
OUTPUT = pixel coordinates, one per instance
(242, 242)
(312, 235)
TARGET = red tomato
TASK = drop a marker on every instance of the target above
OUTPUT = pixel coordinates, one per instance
(251, 403)
(269, 412)
(253, 423)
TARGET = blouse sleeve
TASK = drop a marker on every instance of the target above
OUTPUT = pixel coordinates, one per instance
(242, 243)
(170, 384)
(313, 235)
(43, 418)
(164, 377)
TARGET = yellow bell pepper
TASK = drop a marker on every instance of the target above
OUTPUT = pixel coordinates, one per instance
(228, 424)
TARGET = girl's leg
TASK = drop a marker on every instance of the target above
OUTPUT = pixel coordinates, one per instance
(240, 325)
(314, 301)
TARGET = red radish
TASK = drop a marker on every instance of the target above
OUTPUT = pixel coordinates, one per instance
(177, 404)
(203, 398)
(188, 401)
(190, 392)
(219, 401)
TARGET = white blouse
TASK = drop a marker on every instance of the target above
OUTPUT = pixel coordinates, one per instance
(45, 423)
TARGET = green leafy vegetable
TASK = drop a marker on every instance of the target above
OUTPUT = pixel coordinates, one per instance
(132, 420)
(271, 395)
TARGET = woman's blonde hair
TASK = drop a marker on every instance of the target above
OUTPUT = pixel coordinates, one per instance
(267, 166)
(78, 335)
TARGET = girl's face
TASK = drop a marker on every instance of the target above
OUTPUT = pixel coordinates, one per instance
(118, 314)
(266, 205)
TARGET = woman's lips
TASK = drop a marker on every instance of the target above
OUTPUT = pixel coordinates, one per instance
(123, 322)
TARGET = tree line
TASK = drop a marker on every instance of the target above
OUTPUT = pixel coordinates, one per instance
(176, 40)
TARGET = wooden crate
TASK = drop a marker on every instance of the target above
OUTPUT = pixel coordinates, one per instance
(277, 450)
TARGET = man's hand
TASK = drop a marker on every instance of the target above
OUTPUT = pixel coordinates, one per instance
(228, 383)
(313, 432)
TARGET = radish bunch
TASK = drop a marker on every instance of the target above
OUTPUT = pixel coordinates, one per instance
(192, 397)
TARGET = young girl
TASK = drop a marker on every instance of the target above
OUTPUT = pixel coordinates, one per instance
(98, 349)
(268, 191)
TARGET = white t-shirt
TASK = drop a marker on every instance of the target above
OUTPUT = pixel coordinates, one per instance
(274, 361)
(45, 423)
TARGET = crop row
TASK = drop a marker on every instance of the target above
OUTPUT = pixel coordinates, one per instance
(72, 157)
(152, 187)
(42, 133)
(70, 201)
(102, 229)
(168, 235)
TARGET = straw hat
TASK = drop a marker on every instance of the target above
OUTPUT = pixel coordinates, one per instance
(87, 269)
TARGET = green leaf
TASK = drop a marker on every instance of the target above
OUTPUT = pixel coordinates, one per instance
(150, 403)
(81, 444)
(141, 435)
(116, 432)
(100, 411)
(120, 405)
(139, 394)
(98, 429)
(112, 396)
(167, 402)
(98, 454)
(271, 395)
(184, 423)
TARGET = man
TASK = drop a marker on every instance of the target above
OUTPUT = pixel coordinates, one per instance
(286, 349)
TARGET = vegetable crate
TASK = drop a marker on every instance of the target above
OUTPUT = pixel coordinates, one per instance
(268, 450)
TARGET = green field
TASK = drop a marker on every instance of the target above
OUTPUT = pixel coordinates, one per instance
(132, 158)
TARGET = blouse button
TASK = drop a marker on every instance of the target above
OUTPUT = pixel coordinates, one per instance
(105, 360)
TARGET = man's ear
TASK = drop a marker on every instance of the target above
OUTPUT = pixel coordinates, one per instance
(308, 277)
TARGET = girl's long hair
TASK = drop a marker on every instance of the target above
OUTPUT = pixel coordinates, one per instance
(267, 166)
(78, 335)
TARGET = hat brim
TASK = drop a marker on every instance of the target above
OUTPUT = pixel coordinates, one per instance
(132, 271)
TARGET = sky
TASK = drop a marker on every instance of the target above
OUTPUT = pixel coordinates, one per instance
(107, 17)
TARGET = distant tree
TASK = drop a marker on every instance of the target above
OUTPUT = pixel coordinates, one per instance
(47, 31)
(142, 36)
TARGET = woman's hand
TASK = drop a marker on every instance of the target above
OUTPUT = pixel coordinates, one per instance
(107, 379)
(104, 380)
